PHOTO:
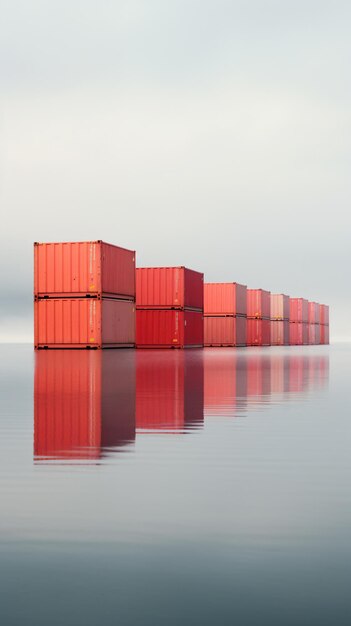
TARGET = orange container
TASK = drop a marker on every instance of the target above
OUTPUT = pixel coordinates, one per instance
(84, 323)
(280, 306)
(313, 313)
(298, 334)
(225, 330)
(88, 268)
(169, 328)
(298, 310)
(258, 303)
(225, 299)
(312, 334)
(324, 334)
(324, 314)
(258, 332)
(169, 287)
(280, 333)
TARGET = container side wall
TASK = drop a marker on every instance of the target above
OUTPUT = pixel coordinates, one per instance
(193, 289)
(118, 322)
(118, 271)
(193, 328)
(160, 328)
(219, 331)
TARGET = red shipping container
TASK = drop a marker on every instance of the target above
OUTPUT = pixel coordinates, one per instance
(169, 328)
(324, 334)
(258, 332)
(258, 303)
(280, 335)
(84, 323)
(169, 287)
(298, 334)
(298, 310)
(87, 268)
(225, 299)
(169, 390)
(83, 402)
(317, 332)
(313, 313)
(280, 306)
(225, 331)
(324, 314)
(312, 334)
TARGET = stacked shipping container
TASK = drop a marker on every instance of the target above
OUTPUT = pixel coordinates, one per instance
(225, 319)
(298, 322)
(313, 323)
(280, 313)
(170, 302)
(324, 323)
(258, 317)
(84, 295)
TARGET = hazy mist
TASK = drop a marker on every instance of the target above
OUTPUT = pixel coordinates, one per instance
(209, 134)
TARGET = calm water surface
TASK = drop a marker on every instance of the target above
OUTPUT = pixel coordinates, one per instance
(199, 487)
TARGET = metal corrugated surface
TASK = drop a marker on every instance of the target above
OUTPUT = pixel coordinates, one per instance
(168, 328)
(324, 334)
(74, 269)
(258, 332)
(298, 333)
(317, 332)
(225, 299)
(298, 310)
(258, 303)
(280, 335)
(312, 334)
(225, 331)
(313, 313)
(81, 323)
(324, 313)
(280, 306)
(169, 287)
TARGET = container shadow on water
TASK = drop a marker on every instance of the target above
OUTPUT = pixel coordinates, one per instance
(90, 406)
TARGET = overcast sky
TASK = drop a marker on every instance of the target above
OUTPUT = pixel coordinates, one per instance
(212, 134)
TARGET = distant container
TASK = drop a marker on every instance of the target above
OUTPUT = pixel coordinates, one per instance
(324, 334)
(169, 328)
(88, 268)
(312, 334)
(298, 310)
(280, 307)
(317, 333)
(324, 314)
(84, 323)
(280, 334)
(225, 330)
(298, 334)
(258, 332)
(258, 303)
(313, 313)
(169, 287)
(225, 299)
